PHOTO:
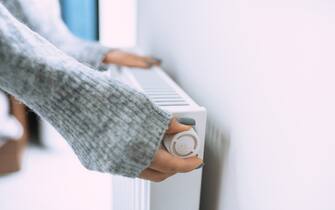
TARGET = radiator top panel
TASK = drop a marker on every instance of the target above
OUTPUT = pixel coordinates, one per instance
(158, 86)
(158, 90)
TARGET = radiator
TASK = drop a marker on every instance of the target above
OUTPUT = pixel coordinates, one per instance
(182, 191)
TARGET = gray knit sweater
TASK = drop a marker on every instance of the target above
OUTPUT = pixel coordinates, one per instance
(44, 17)
(111, 127)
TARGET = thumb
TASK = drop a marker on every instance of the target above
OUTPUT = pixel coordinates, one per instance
(176, 127)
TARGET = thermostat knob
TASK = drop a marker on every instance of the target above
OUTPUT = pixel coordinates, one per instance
(184, 144)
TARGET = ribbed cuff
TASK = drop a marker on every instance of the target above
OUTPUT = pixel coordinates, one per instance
(140, 152)
(111, 127)
(89, 53)
(96, 55)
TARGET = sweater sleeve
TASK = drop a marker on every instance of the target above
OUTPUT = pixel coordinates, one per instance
(44, 17)
(111, 127)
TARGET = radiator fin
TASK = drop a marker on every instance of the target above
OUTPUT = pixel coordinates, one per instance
(158, 90)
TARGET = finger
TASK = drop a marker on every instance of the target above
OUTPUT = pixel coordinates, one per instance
(121, 58)
(135, 61)
(176, 127)
(138, 63)
(153, 61)
(129, 60)
(144, 62)
(155, 176)
(167, 163)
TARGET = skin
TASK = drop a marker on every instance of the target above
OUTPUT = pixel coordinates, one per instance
(165, 165)
(121, 58)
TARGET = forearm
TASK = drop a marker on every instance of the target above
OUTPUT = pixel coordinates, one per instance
(91, 53)
(111, 127)
(44, 18)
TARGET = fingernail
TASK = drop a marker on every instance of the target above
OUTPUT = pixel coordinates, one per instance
(186, 121)
(200, 166)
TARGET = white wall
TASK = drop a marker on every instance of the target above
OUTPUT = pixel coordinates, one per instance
(265, 69)
(117, 23)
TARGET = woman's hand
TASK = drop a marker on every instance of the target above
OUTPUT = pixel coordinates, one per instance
(121, 58)
(165, 165)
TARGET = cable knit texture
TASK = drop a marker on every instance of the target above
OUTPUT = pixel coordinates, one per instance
(44, 17)
(111, 127)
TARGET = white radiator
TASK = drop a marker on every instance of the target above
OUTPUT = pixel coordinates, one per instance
(182, 191)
